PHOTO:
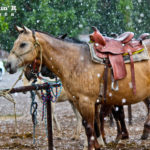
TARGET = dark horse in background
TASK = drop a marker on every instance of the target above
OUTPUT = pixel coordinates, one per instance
(79, 75)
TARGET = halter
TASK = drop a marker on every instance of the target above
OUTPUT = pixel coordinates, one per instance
(36, 44)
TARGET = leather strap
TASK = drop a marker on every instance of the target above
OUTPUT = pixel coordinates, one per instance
(105, 77)
(132, 73)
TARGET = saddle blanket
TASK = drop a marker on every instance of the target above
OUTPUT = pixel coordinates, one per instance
(137, 56)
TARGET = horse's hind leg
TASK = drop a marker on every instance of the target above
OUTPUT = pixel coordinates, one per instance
(116, 117)
(146, 130)
(130, 114)
(104, 111)
(119, 116)
(111, 123)
(125, 134)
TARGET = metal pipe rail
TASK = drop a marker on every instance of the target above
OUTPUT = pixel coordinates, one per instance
(49, 116)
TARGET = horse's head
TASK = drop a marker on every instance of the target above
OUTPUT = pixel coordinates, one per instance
(31, 71)
(24, 51)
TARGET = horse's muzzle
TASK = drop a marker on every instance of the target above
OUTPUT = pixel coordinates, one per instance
(9, 68)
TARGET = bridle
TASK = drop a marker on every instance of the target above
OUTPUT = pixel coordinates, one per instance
(36, 44)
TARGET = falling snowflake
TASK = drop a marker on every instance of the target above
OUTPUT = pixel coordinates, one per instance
(130, 85)
(98, 75)
(86, 98)
(92, 138)
(97, 100)
(81, 58)
(80, 25)
(123, 100)
(110, 94)
(117, 108)
(96, 44)
(141, 15)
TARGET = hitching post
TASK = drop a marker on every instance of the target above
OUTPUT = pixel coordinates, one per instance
(49, 116)
(49, 126)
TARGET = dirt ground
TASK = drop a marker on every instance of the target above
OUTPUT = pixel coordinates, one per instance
(22, 139)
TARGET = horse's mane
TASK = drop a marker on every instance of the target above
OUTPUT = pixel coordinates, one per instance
(66, 39)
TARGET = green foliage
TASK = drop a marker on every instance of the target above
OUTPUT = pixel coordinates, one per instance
(126, 7)
(74, 17)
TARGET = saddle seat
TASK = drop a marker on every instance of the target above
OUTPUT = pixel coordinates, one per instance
(113, 49)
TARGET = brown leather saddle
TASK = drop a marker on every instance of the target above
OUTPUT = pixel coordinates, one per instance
(113, 49)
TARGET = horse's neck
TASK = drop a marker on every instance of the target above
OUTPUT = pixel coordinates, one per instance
(58, 55)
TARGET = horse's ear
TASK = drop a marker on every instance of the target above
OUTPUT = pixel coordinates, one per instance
(19, 29)
(26, 30)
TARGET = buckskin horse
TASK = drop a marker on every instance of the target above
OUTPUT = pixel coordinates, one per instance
(80, 76)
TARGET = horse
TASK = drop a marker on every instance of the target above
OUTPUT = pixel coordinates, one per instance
(80, 76)
(2, 70)
(31, 74)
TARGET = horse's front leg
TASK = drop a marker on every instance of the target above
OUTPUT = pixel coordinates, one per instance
(97, 125)
(87, 110)
(77, 131)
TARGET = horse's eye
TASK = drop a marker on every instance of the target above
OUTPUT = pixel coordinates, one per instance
(22, 45)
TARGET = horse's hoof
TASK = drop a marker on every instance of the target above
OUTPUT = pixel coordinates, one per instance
(58, 136)
(146, 132)
(118, 138)
(125, 136)
(101, 141)
(75, 137)
(144, 136)
(85, 148)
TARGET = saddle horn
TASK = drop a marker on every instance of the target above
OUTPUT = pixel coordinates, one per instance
(94, 28)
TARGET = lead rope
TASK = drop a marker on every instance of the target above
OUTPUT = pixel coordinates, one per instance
(105, 79)
(46, 97)
(33, 112)
(10, 98)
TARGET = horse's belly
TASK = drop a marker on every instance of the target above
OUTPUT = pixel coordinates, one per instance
(125, 95)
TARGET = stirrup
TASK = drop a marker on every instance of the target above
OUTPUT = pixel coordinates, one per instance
(112, 86)
(113, 82)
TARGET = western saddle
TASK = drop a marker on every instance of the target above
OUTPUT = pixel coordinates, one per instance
(111, 50)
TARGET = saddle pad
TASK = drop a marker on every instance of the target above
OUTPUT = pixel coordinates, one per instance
(136, 57)
(94, 57)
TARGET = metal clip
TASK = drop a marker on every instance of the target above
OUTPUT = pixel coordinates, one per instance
(112, 86)
(113, 82)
